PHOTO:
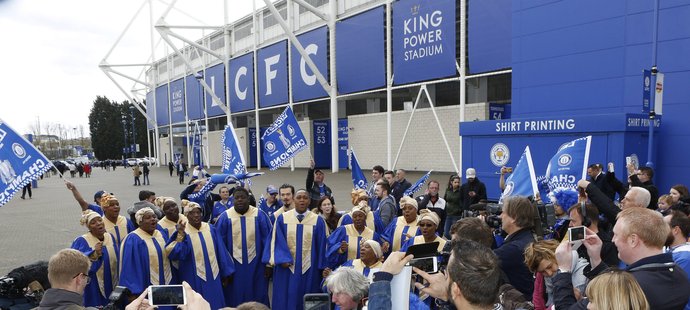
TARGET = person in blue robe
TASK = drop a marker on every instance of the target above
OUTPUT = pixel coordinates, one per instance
(109, 208)
(428, 224)
(374, 221)
(345, 242)
(137, 270)
(297, 250)
(368, 263)
(200, 191)
(404, 227)
(168, 224)
(203, 260)
(245, 230)
(103, 252)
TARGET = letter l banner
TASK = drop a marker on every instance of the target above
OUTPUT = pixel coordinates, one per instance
(20, 163)
(233, 159)
(569, 164)
(523, 181)
(283, 140)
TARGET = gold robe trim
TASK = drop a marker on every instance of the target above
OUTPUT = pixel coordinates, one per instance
(154, 264)
(194, 235)
(352, 242)
(249, 236)
(398, 238)
(370, 220)
(118, 229)
(108, 245)
(308, 223)
(358, 265)
(170, 225)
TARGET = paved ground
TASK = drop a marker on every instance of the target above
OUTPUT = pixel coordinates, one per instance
(34, 229)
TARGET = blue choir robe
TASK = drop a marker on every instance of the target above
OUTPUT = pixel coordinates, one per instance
(203, 261)
(373, 221)
(104, 270)
(168, 227)
(398, 231)
(144, 261)
(303, 245)
(270, 210)
(219, 207)
(119, 229)
(420, 240)
(245, 236)
(349, 234)
(367, 271)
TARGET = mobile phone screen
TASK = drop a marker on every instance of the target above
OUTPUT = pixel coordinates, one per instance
(317, 302)
(166, 295)
(577, 233)
(427, 264)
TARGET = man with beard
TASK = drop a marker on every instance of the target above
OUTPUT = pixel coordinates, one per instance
(287, 193)
(298, 251)
(245, 231)
(677, 241)
(202, 256)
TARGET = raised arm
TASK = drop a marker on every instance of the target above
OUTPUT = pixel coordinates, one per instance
(77, 196)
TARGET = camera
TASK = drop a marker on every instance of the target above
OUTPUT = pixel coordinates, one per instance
(117, 298)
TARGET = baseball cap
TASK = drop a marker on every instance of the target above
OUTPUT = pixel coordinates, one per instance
(271, 190)
(470, 173)
(98, 195)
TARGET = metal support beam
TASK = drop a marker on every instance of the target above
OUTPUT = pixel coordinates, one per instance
(335, 166)
(314, 10)
(389, 85)
(166, 29)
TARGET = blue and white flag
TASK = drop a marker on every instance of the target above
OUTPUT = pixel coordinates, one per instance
(569, 164)
(358, 178)
(233, 159)
(20, 163)
(222, 178)
(417, 185)
(283, 140)
(522, 182)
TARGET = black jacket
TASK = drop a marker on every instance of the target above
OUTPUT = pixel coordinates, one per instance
(664, 284)
(398, 191)
(653, 191)
(478, 188)
(315, 192)
(603, 203)
(512, 257)
(602, 182)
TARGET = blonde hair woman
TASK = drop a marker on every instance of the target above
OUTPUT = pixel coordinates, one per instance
(616, 290)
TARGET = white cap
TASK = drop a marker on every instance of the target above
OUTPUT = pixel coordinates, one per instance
(470, 173)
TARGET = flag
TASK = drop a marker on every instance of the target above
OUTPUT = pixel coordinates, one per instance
(569, 164)
(283, 140)
(522, 182)
(196, 146)
(233, 159)
(20, 163)
(222, 178)
(358, 178)
(417, 185)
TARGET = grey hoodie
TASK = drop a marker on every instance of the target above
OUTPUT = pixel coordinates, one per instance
(59, 299)
(144, 204)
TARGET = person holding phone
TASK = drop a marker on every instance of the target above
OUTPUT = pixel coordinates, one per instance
(540, 258)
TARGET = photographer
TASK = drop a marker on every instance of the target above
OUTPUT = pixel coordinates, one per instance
(517, 220)
(68, 272)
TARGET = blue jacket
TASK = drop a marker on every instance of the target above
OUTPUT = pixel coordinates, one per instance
(512, 257)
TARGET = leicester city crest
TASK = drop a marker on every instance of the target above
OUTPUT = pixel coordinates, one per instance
(291, 130)
(500, 154)
(565, 160)
(18, 150)
(270, 146)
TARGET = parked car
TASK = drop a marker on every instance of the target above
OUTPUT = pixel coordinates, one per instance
(133, 161)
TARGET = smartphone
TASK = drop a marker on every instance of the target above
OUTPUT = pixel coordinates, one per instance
(628, 160)
(611, 167)
(320, 301)
(509, 169)
(167, 295)
(426, 264)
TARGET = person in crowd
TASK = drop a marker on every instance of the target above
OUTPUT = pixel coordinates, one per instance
(681, 197)
(609, 252)
(432, 200)
(677, 240)
(348, 287)
(473, 280)
(197, 173)
(315, 185)
(599, 179)
(270, 203)
(26, 188)
(181, 168)
(147, 199)
(87, 170)
(326, 209)
(664, 204)
(473, 191)
(103, 253)
(369, 261)
(540, 258)
(222, 205)
(202, 256)
(344, 244)
(473, 228)
(639, 235)
(502, 178)
(203, 195)
(287, 193)
(616, 290)
(136, 171)
(245, 230)
(400, 185)
(636, 197)
(517, 219)
(68, 273)
(376, 175)
(562, 199)
(404, 227)
(387, 210)
(115, 224)
(171, 168)
(299, 263)
(428, 224)
(643, 178)
(168, 224)
(454, 204)
(143, 256)
(361, 198)
(146, 171)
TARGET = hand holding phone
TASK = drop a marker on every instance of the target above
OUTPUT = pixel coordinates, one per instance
(576, 235)
(167, 295)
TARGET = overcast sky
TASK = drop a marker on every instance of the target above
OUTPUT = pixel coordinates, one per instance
(51, 51)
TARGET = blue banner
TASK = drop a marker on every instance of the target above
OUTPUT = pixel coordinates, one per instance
(489, 29)
(569, 164)
(215, 78)
(162, 106)
(177, 109)
(358, 179)
(194, 98)
(646, 90)
(304, 83)
(272, 74)
(523, 180)
(150, 109)
(360, 51)
(283, 140)
(233, 159)
(20, 163)
(242, 83)
(418, 185)
(321, 132)
(423, 40)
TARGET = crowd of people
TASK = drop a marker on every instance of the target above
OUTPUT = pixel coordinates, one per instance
(231, 248)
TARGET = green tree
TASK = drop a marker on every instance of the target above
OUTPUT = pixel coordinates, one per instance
(106, 129)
